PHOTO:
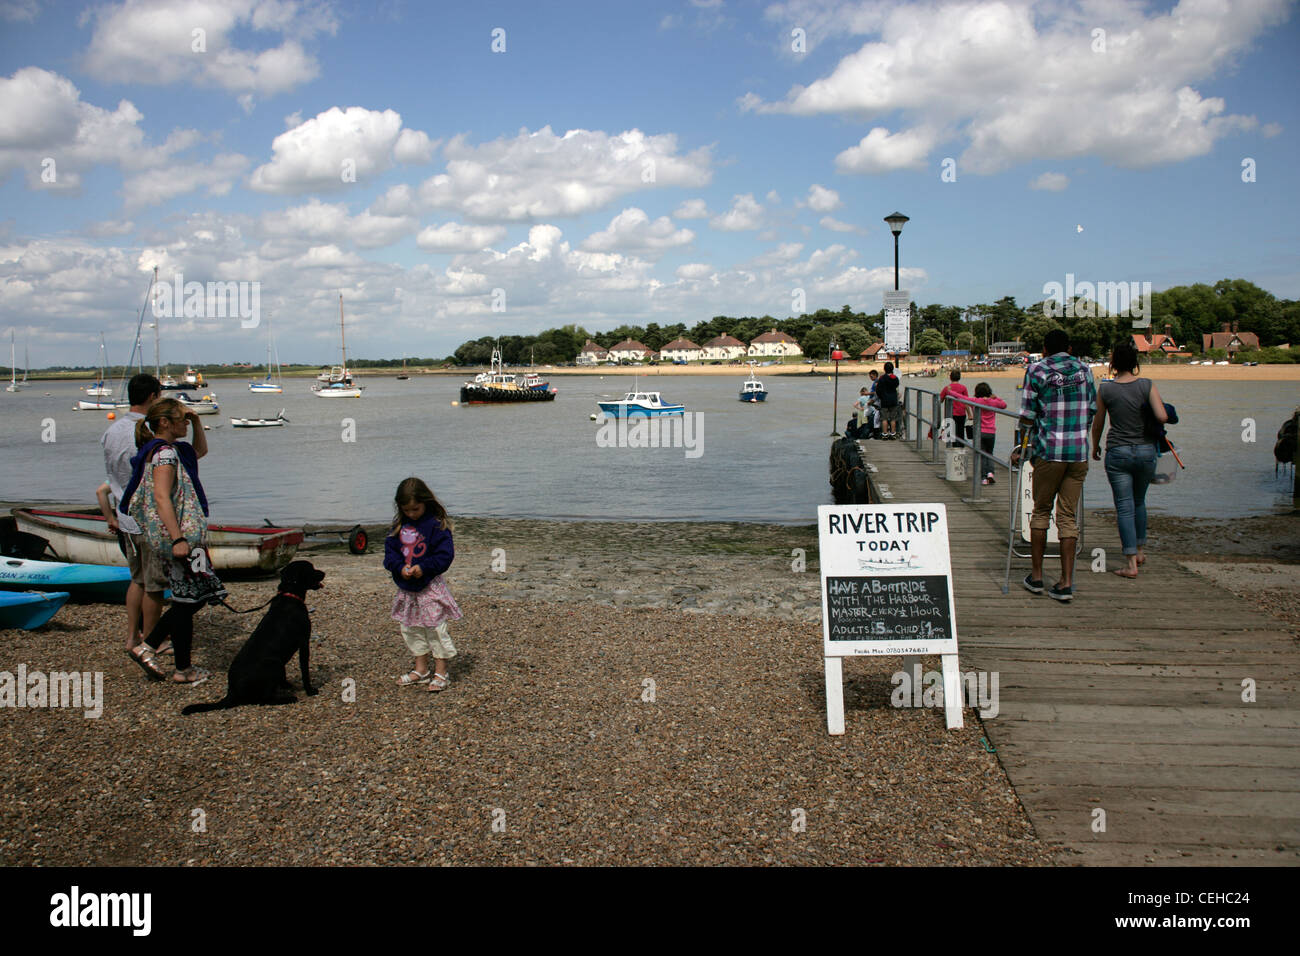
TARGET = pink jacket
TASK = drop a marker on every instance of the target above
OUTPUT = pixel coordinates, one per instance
(988, 421)
(955, 389)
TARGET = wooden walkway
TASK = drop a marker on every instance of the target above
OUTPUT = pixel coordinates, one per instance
(1128, 699)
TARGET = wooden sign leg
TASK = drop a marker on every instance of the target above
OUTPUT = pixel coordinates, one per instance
(952, 701)
(834, 696)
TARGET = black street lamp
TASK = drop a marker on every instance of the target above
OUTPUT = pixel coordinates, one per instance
(896, 221)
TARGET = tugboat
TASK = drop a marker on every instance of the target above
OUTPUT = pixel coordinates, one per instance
(752, 390)
(495, 386)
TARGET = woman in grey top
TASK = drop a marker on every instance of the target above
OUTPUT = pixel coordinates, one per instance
(1133, 406)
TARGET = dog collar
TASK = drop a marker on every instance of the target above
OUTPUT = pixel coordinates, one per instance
(287, 594)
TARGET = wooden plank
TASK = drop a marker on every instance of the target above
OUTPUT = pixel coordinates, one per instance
(1157, 828)
(1043, 771)
(1165, 800)
(1138, 716)
(1132, 854)
(1152, 754)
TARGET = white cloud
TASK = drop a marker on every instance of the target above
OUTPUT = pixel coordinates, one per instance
(454, 237)
(745, 213)
(692, 209)
(632, 231)
(883, 152)
(336, 148)
(1020, 81)
(821, 199)
(694, 270)
(176, 179)
(537, 175)
(45, 125)
(155, 42)
(1052, 182)
(833, 224)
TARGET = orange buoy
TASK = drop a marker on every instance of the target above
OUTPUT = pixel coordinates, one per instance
(112, 416)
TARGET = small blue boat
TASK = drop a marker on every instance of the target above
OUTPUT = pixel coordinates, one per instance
(641, 403)
(752, 390)
(26, 610)
(86, 582)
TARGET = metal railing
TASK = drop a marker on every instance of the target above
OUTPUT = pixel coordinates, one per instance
(914, 402)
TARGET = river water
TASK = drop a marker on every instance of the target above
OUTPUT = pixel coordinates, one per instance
(339, 460)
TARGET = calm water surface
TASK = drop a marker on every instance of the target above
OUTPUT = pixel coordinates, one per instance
(759, 463)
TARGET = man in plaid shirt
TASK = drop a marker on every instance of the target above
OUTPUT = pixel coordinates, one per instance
(1058, 402)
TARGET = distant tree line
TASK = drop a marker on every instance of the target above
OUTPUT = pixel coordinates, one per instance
(1190, 311)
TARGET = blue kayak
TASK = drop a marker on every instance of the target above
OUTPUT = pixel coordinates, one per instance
(85, 582)
(26, 610)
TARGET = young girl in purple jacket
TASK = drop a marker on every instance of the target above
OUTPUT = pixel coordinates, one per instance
(417, 551)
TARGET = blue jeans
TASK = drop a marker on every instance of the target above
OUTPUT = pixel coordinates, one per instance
(1129, 469)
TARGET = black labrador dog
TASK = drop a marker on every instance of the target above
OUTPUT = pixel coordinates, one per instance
(257, 672)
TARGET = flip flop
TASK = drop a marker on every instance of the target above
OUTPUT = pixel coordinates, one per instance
(146, 661)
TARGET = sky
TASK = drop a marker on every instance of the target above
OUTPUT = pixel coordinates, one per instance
(461, 170)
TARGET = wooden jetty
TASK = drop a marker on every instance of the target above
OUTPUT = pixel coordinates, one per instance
(1128, 700)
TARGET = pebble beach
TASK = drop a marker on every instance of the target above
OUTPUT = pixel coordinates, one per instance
(599, 714)
(632, 694)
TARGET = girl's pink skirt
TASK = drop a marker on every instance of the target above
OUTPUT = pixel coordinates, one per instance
(427, 608)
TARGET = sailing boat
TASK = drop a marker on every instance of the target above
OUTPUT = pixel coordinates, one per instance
(14, 385)
(99, 388)
(339, 384)
(403, 377)
(268, 386)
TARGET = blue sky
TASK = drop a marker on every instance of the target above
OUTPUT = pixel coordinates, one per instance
(623, 162)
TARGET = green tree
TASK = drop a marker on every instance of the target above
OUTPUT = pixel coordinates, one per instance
(929, 342)
(851, 337)
(816, 343)
(1035, 329)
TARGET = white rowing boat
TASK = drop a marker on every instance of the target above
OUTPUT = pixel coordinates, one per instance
(84, 538)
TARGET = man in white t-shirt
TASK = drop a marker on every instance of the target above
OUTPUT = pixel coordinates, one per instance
(144, 598)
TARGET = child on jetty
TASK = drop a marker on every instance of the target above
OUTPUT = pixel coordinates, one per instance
(988, 425)
(417, 551)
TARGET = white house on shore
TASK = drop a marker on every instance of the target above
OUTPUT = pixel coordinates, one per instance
(724, 348)
(681, 350)
(773, 344)
(592, 354)
(629, 350)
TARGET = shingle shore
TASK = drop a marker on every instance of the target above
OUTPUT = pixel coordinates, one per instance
(546, 749)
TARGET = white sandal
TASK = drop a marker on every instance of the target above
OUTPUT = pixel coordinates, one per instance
(411, 678)
(438, 682)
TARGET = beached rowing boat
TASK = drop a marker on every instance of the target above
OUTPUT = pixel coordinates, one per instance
(86, 582)
(85, 537)
(26, 610)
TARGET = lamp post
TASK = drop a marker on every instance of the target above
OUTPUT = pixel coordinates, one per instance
(836, 355)
(896, 220)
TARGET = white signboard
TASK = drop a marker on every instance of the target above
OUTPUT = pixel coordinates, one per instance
(898, 321)
(886, 591)
(1027, 505)
(886, 580)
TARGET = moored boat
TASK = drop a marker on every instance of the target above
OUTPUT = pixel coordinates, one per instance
(752, 390)
(641, 403)
(26, 610)
(497, 387)
(260, 422)
(84, 537)
(206, 405)
(338, 383)
(191, 379)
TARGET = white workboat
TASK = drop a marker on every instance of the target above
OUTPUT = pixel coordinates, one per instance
(641, 403)
(260, 422)
(84, 538)
(338, 384)
(204, 405)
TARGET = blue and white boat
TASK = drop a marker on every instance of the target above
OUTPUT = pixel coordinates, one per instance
(752, 390)
(89, 582)
(641, 403)
(272, 387)
(26, 610)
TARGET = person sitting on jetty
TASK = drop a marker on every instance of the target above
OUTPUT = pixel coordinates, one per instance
(1057, 402)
